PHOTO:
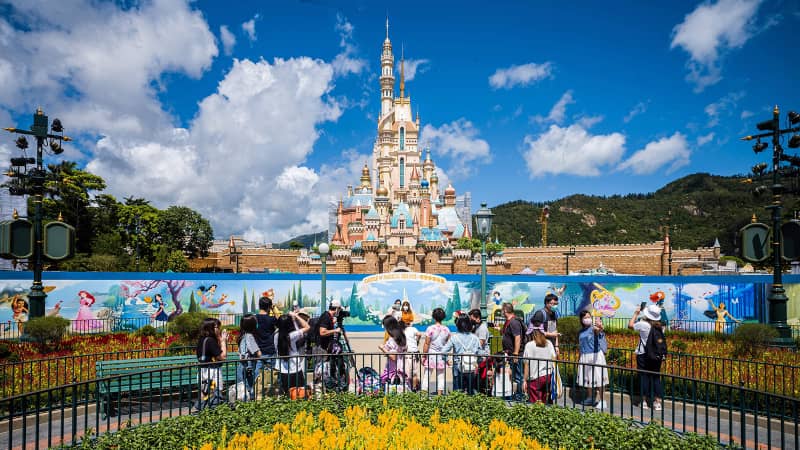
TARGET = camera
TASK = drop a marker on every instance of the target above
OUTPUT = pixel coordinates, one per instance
(343, 313)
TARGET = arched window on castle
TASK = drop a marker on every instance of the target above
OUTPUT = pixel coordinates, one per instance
(402, 172)
(402, 138)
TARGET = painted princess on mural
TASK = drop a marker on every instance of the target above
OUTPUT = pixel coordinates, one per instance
(86, 320)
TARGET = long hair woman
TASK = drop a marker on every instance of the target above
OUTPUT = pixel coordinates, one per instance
(395, 372)
(291, 329)
(592, 373)
(537, 367)
(248, 349)
(651, 382)
(211, 350)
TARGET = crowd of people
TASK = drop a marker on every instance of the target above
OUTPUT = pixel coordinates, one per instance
(525, 369)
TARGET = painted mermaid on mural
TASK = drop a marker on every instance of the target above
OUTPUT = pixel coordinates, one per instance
(86, 319)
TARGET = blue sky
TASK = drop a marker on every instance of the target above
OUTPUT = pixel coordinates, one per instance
(258, 114)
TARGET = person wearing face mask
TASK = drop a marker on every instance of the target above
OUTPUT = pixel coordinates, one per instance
(395, 312)
(592, 371)
(406, 313)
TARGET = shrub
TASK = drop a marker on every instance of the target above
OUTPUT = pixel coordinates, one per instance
(677, 346)
(47, 330)
(537, 422)
(5, 350)
(187, 326)
(617, 357)
(752, 339)
(147, 330)
(569, 327)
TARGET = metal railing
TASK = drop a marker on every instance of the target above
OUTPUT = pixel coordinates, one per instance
(71, 413)
(10, 330)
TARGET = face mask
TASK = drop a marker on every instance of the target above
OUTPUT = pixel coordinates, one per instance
(396, 307)
(405, 308)
(587, 321)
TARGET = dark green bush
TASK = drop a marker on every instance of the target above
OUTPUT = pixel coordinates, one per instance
(569, 327)
(147, 330)
(677, 346)
(752, 339)
(47, 331)
(554, 426)
(187, 326)
(617, 357)
(5, 350)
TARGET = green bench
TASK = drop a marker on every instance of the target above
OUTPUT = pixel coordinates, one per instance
(138, 376)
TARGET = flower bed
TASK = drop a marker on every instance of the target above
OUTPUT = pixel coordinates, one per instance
(448, 420)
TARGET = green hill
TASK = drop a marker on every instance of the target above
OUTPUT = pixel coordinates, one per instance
(699, 208)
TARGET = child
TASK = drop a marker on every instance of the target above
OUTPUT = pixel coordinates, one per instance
(248, 349)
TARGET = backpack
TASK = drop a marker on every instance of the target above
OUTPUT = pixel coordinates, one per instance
(368, 381)
(655, 349)
(523, 338)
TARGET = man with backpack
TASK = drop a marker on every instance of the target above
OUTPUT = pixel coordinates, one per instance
(548, 317)
(513, 341)
(327, 332)
(650, 353)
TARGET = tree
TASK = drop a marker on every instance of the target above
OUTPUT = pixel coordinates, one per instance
(295, 245)
(173, 286)
(183, 229)
(192, 304)
(253, 302)
(138, 224)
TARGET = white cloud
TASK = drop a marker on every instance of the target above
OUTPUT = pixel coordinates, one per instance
(571, 150)
(238, 176)
(673, 151)
(345, 63)
(412, 66)
(745, 114)
(459, 140)
(703, 140)
(558, 111)
(722, 106)
(710, 30)
(249, 28)
(227, 38)
(639, 108)
(118, 96)
(522, 75)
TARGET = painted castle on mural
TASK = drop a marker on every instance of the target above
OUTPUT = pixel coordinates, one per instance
(403, 205)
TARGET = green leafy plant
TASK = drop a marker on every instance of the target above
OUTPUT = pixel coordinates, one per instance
(569, 327)
(147, 330)
(187, 326)
(587, 429)
(752, 339)
(678, 346)
(616, 357)
(47, 331)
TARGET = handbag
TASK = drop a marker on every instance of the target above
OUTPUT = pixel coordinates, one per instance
(208, 378)
(556, 386)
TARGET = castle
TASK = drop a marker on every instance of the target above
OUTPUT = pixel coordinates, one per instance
(404, 209)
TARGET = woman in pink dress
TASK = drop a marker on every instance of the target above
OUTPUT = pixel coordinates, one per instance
(86, 320)
(436, 336)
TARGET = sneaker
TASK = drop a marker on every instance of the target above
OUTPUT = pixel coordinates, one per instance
(601, 405)
(657, 406)
(588, 401)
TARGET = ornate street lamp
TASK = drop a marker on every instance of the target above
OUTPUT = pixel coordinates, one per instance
(777, 297)
(32, 182)
(483, 220)
(323, 250)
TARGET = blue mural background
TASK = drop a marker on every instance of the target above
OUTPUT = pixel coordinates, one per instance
(131, 298)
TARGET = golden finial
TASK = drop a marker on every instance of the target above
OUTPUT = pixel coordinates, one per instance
(39, 111)
(15, 214)
(753, 219)
(60, 217)
(776, 111)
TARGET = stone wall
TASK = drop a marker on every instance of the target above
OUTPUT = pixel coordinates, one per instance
(641, 259)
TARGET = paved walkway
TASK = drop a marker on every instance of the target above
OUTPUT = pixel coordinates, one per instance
(759, 432)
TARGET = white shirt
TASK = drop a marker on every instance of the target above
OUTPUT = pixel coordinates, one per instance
(643, 327)
(411, 339)
(482, 333)
(295, 363)
(540, 364)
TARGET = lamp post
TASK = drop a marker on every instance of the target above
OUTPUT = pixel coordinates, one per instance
(483, 219)
(667, 242)
(323, 250)
(777, 296)
(567, 254)
(32, 182)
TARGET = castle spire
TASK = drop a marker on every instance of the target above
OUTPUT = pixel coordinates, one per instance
(387, 27)
(402, 73)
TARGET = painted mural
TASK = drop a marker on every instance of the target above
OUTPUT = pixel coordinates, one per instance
(106, 304)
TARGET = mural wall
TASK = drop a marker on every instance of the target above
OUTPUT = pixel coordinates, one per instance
(104, 302)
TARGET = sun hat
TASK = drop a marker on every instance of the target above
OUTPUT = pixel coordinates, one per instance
(336, 304)
(652, 312)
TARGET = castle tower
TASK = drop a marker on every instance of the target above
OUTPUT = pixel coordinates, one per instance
(387, 74)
